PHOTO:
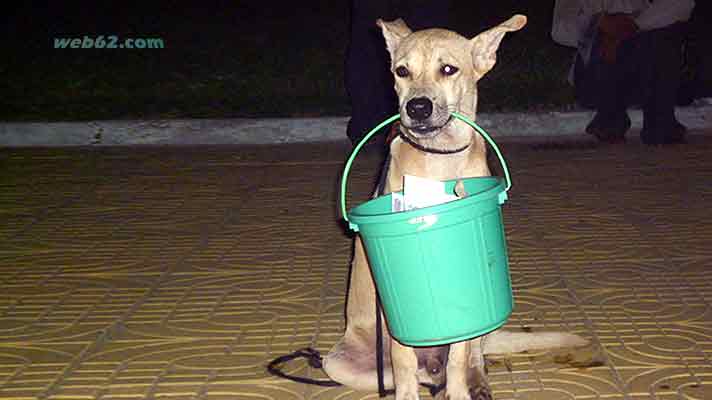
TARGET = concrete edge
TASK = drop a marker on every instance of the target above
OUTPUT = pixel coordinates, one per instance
(291, 130)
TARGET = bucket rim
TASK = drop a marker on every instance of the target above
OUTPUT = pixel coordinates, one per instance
(453, 339)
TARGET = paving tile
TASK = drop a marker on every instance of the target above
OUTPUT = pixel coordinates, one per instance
(175, 271)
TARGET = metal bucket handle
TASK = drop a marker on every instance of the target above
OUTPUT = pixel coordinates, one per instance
(347, 167)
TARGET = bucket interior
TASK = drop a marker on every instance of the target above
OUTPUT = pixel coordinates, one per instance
(475, 187)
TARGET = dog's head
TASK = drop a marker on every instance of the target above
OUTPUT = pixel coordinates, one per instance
(436, 72)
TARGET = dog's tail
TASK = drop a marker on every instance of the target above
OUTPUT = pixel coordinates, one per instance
(508, 342)
(561, 347)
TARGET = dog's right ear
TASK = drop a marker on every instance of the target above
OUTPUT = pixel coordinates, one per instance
(393, 32)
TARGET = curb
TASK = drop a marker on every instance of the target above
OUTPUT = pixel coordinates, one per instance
(291, 130)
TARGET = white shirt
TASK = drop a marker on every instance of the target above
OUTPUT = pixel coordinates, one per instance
(572, 17)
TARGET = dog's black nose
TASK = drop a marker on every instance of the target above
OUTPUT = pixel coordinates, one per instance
(419, 108)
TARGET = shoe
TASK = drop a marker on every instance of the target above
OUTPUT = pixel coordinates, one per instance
(605, 136)
(607, 132)
(674, 135)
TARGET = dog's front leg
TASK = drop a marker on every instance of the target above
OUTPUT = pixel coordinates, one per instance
(405, 369)
(466, 373)
(476, 376)
(456, 372)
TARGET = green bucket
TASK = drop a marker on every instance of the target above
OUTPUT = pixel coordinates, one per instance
(441, 272)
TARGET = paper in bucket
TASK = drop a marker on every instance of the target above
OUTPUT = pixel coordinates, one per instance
(441, 271)
(420, 192)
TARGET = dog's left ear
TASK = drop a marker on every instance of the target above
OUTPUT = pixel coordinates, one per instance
(485, 45)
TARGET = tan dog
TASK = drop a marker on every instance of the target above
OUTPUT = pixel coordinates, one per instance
(436, 73)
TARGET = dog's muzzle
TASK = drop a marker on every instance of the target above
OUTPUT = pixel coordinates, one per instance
(420, 112)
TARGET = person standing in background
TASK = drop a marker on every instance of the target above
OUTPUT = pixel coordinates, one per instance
(629, 52)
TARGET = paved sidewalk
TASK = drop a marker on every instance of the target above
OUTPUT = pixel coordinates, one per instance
(296, 130)
(150, 272)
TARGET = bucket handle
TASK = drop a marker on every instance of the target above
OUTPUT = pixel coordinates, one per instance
(352, 157)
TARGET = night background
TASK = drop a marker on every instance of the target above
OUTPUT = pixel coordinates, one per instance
(226, 59)
(153, 258)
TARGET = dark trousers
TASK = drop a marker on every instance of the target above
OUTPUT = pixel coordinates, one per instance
(646, 73)
(369, 81)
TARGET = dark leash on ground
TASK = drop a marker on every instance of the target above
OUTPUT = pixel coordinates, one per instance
(314, 358)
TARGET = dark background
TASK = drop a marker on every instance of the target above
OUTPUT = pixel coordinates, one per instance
(237, 59)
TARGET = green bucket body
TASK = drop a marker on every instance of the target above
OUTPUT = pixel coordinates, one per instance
(441, 272)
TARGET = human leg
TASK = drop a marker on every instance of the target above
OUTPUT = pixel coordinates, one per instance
(660, 51)
(368, 79)
(601, 85)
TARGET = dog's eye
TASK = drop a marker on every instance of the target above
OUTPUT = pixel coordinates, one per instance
(448, 70)
(402, 71)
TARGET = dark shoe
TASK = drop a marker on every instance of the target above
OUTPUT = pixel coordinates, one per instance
(605, 136)
(674, 135)
(610, 130)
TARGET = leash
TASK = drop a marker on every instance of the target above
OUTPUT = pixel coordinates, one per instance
(314, 358)
(380, 189)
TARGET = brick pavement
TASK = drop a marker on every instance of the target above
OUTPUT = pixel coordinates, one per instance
(179, 272)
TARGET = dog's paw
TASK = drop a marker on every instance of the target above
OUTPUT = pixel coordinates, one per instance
(407, 396)
(481, 393)
(474, 393)
(478, 393)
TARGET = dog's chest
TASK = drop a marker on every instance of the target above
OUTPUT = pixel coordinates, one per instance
(433, 166)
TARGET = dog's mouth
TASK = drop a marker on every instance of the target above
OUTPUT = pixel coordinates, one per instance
(424, 129)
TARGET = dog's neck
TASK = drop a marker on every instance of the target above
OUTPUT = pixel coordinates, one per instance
(429, 149)
(409, 160)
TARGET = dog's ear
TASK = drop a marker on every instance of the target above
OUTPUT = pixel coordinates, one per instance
(393, 32)
(484, 45)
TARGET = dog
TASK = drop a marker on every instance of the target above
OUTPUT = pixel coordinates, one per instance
(435, 72)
